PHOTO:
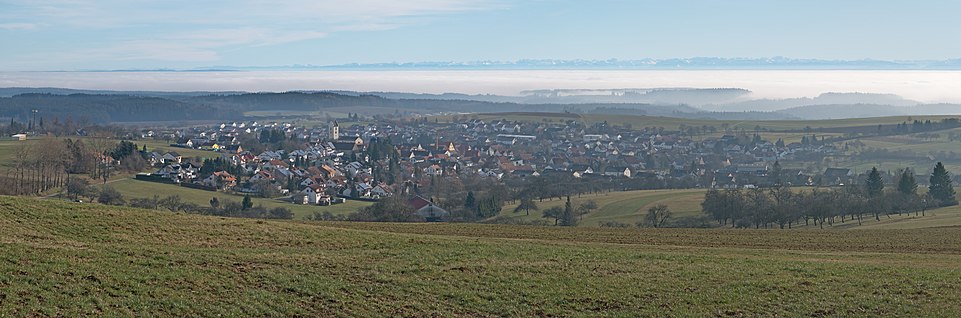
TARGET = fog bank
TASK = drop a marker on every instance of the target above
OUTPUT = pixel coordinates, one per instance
(924, 86)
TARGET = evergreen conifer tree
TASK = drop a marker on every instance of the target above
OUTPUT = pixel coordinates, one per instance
(940, 186)
(875, 184)
(907, 184)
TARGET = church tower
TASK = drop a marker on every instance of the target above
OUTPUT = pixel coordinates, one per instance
(334, 131)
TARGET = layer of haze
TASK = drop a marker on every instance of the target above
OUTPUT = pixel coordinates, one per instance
(924, 86)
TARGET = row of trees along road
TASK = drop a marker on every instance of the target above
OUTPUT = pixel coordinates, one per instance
(783, 207)
(47, 163)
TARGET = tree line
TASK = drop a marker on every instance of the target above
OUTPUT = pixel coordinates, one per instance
(79, 188)
(50, 163)
(785, 207)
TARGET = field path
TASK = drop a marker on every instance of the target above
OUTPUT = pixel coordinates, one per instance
(57, 194)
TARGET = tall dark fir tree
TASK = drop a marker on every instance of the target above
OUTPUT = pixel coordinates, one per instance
(907, 184)
(470, 201)
(940, 186)
(776, 178)
(568, 218)
(875, 184)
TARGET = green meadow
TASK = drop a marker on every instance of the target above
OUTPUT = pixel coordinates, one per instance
(72, 259)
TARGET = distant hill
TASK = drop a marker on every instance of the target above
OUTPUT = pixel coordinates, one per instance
(108, 108)
(767, 105)
(840, 111)
(13, 91)
(658, 96)
(307, 101)
(723, 103)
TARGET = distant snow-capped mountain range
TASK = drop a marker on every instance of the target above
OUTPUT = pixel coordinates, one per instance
(697, 63)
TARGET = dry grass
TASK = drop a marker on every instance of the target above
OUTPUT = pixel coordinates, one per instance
(62, 259)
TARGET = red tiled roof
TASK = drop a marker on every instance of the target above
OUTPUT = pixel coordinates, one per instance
(417, 202)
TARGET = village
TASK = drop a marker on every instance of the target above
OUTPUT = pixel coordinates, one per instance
(377, 159)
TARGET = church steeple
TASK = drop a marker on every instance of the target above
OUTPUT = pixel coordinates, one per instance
(334, 131)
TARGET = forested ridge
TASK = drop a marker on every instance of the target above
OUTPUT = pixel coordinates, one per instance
(108, 108)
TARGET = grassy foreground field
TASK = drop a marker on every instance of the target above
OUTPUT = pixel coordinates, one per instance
(64, 259)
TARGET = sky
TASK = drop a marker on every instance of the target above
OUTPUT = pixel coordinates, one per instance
(38, 35)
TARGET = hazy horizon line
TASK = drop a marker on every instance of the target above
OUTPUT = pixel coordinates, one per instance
(777, 63)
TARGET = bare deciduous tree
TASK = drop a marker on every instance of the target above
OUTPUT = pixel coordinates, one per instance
(658, 215)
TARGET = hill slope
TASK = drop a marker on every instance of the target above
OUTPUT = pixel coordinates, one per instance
(64, 259)
(672, 123)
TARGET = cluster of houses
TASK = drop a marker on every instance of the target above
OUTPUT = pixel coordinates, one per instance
(319, 182)
(335, 162)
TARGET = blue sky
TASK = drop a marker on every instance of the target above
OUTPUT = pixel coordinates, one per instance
(180, 34)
